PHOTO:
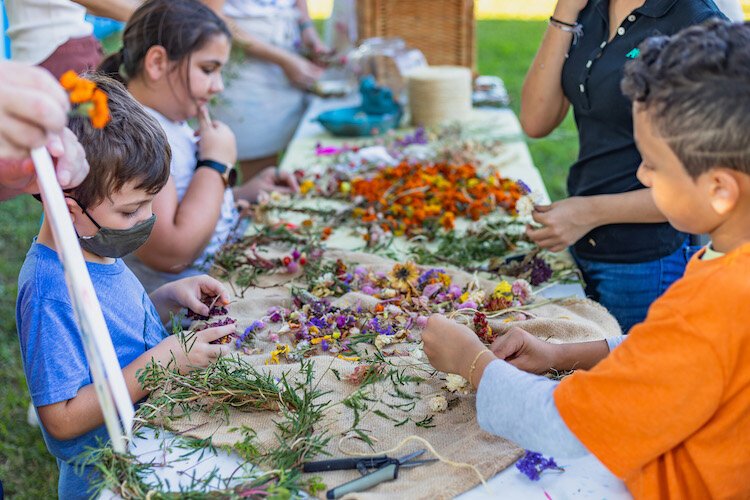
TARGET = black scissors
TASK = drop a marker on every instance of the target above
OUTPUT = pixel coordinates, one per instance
(386, 469)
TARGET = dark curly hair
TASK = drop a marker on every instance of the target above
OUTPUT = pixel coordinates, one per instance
(696, 88)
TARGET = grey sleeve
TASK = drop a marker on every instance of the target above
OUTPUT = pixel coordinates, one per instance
(613, 342)
(519, 406)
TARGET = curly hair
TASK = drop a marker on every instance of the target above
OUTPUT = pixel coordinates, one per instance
(696, 88)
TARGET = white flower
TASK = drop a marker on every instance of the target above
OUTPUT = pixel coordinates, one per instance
(525, 206)
(382, 340)
(327, 277)
(478, 296)
(455, 383)
(438, 404)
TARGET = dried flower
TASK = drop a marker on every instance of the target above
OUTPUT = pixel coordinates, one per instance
(455, 383)
(403, 277)
(532, 464)
(438, 404)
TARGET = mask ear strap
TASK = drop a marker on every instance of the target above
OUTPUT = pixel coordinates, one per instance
(85, 212)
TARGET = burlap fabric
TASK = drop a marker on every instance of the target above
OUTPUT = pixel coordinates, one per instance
(454, 433)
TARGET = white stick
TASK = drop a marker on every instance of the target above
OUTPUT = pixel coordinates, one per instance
(105, 369)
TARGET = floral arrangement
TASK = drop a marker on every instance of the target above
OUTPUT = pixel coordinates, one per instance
(406, 296)
(420, 199)
(86, 98)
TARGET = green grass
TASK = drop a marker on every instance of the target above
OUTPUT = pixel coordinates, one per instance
(505, 48)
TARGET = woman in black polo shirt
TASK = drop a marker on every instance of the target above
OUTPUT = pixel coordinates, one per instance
(627, 251)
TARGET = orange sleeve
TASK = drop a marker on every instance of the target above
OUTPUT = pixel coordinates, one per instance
(652, 392)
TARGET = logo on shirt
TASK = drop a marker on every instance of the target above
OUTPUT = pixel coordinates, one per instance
(633, 53)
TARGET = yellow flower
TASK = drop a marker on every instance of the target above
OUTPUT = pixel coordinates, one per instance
(403, 276)
(281, 350)
(306, 186)
(345, 187)
(503, 288)
(348, 358)
(464, 297)
(318, 340)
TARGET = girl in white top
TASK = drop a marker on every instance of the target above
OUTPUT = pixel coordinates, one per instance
(172, 56)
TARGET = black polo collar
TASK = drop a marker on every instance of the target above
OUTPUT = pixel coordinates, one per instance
(652, 8)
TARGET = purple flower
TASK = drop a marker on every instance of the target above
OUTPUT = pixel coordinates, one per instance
(532, 464)
(324, 345)
(525, 189)
(378, 328)
(292, 267)
(421, 321)
(540, 271)
(368, 290)
(341, 321)
(431, 290)
(295, 254)
(275, 316)
(454, 291)
(360, 271)
(469, 304)
(319, 323)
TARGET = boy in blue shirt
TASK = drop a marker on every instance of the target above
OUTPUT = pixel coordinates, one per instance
(111, 212)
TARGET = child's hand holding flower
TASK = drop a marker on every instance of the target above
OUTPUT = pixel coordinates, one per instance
(187, 293)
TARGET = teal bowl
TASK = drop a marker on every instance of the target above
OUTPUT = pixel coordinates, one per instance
(354, 122)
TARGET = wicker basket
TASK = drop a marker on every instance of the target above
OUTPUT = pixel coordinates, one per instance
(442, 29)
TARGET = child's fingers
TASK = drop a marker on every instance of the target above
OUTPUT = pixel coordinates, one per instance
(218, 350)
(213, 287)
(506, 346)
(204, 119)
(210, 334)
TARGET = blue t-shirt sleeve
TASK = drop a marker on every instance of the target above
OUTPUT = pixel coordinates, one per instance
(153, 330)
(54, 359)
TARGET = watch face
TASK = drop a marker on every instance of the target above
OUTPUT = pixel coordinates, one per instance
(232, 177)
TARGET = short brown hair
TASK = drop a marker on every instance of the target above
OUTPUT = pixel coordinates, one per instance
(132, 147)
(696, 88)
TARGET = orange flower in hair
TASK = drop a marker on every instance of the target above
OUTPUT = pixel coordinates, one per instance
(86, 98)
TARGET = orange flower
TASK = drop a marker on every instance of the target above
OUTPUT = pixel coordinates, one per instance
(68, 80)
(83, 91)
(448, 220)
(99, 112)
(86, 98)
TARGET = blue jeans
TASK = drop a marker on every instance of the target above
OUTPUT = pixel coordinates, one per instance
(627, 290)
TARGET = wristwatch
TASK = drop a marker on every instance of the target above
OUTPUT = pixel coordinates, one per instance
(227, 172)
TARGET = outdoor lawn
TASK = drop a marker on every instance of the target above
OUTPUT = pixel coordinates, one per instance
(505, 48)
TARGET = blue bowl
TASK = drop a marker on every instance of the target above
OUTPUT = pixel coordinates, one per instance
(354, 122)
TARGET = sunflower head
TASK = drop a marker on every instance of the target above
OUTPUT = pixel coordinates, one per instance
(403, 277)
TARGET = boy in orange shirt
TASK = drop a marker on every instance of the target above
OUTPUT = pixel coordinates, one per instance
(668, 410)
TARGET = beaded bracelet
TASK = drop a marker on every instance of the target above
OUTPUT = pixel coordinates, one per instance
(575, 29)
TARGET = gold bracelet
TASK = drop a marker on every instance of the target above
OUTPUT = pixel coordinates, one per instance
(474, 365)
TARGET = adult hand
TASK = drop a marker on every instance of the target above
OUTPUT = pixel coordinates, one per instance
(301, 72)
(565, 222)
(450, 346)
(313, 42)
(267, 180)
(524, 351)
(33, 106)
(217, 141)
(19, 176)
